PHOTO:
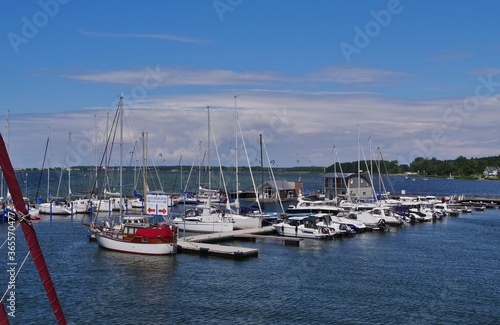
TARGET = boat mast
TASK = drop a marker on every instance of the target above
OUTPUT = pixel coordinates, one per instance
(144, 186)
(262, 169)
(48, 168)
(237, 201)
(335, 173)
(120, 108)
(69, 170)
(359, 165)
(208, 164)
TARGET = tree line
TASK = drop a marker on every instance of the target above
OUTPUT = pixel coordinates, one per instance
(460, 167)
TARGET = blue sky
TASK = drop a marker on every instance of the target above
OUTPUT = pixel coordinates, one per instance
(415, 78)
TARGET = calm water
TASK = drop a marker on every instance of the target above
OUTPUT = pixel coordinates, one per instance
(433, 273)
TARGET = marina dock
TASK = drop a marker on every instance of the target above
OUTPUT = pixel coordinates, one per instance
(205, 243)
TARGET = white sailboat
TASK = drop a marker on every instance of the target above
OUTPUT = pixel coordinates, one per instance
(53, 206)
(205, 218)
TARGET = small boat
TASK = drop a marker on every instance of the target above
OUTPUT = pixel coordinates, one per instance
(336, 227)
(80, 205)
(60, 207)
(312, 226)
(137, 234)
(203, 219)
(466, 209)
(388, 215)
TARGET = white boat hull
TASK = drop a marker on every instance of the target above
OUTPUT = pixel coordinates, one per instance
(53, 209)
(301, 232)
(203, 226)
(137, 248)
(244, 222)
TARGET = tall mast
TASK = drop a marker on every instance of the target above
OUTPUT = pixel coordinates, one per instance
(335, 172)
(262, 169)
(48, 167)
(144, 186)
(69, 169)
(237, 201)
(208, 160)
(359, 166)
(96, 154)
(120, 110)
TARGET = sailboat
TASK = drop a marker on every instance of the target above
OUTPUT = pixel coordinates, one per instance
(57, 206)
(205, 218)
(139, 234)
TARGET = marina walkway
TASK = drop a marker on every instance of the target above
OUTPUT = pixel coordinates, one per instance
(202, 244)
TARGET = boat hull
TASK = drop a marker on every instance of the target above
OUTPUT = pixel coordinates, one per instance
(202, 226)
(117, 244)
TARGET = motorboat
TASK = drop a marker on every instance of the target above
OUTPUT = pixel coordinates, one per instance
(312, 226)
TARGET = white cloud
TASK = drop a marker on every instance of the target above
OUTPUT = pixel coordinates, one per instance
(354, 74)
(167, 37)
(166, 76)
(169, 76)
(304, 125)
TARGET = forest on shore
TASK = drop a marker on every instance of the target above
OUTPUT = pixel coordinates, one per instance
(460, 167)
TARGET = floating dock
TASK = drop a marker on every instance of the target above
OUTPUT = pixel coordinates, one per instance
(201, 243)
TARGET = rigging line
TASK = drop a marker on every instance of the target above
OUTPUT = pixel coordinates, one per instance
(149, 151)
(132, 154)
(250, 167)
(342, 172)
(370, 177)
(228, 206)
(274, 178)
(64, 165)
(175, 179)
(43, 166)
(386, 171)
(15, 276)
(192, 166)
(94, 185)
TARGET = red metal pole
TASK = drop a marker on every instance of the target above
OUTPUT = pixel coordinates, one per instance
(29, 233)
(4, 319)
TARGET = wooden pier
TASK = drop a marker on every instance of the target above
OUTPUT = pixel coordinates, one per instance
(201, 243)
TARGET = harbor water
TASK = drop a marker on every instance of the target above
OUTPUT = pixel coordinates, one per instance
(443, 272)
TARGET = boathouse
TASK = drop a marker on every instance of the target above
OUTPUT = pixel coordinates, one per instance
(350, 184)
(287, 190)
